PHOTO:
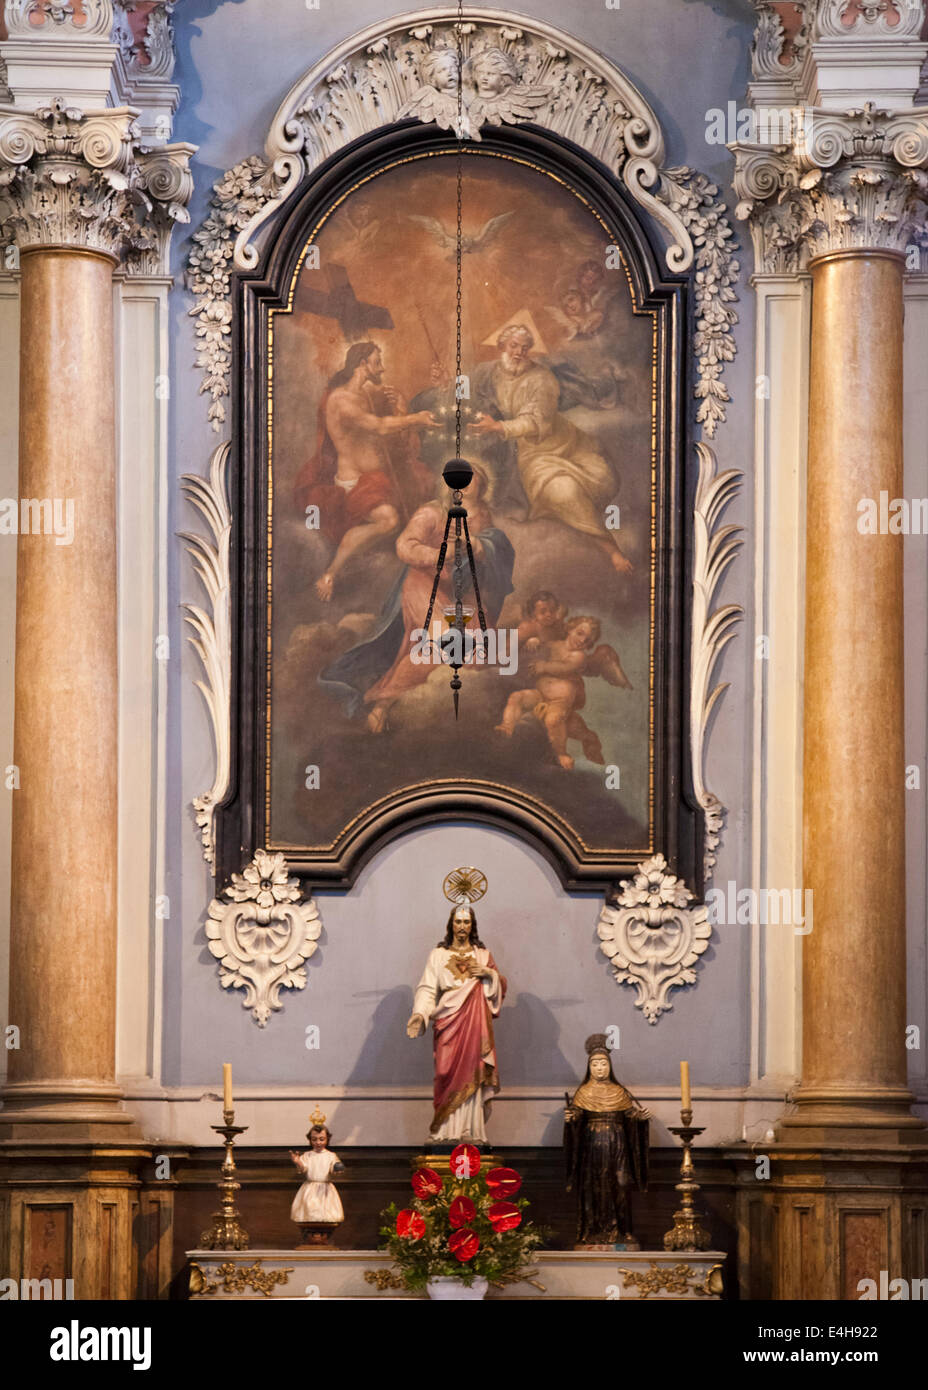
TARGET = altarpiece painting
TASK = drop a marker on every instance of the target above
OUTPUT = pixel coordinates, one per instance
(573, 734)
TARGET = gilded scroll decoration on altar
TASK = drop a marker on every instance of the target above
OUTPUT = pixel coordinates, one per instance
(263, 934)
(236, 1278)
(680, 1280)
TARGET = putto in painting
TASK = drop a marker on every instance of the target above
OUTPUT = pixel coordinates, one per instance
(558, 396)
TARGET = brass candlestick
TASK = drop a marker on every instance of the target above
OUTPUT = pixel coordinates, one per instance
(226, 1232)
(687, 1233)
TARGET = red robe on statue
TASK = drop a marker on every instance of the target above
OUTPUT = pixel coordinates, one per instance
(461, 1010)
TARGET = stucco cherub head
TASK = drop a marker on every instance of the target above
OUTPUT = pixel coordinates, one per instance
(439, 69)
(492, 72)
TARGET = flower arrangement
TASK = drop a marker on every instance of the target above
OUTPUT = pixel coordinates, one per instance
(468, 1225)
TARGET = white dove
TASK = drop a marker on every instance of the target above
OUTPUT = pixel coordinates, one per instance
(448, 241)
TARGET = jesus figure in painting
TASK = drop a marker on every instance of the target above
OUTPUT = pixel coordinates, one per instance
(460, 992)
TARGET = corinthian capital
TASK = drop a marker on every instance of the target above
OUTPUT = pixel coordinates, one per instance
(843, 182)
(80, 179)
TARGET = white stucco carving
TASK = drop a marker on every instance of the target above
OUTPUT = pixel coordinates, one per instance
(714, 547)
(263, 933)
(75, 178)
(652, 936)
(211, 638)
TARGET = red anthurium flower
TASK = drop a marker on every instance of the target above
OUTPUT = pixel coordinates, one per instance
(503, 1182)
(410, 1225)
(465, 1161)
(426, 1182)
(461, 1212)
(464, 1245)
(504, 1216)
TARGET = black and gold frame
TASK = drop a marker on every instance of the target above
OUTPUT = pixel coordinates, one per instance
(361, 254)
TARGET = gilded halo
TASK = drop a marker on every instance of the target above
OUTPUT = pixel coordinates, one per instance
(464, 886)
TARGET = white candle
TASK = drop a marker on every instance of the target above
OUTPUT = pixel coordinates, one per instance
(685, 1099)
(227, 1085)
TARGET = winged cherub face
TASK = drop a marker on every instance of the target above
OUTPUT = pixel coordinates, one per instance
(545, 612)
(582, 635)
(492, 73)
(440, 70)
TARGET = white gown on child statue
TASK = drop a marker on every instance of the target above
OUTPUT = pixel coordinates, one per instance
(317, 1199)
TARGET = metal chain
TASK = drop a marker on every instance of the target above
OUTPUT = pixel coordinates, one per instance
(459, 242)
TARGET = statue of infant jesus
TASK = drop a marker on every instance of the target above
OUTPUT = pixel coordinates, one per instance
(317, 1207)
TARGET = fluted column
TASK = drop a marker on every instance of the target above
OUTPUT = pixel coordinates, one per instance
(843, 201)
(77, 197)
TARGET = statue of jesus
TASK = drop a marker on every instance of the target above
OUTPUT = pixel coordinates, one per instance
(460, 992)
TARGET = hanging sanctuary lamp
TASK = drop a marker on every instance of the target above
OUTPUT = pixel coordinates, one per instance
(457, 472)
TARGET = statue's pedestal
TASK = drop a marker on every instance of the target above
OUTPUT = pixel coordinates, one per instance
(655, 1275)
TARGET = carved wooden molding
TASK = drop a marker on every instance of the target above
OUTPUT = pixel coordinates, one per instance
(263, 934)
(652, 936)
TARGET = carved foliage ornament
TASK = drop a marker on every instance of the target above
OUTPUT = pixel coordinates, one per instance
(409, 70)
(868, 19)
(93, 20)
(236, 1278)
(75, 178)
(513, 70)
(846, 182)
(262, 935)
(652, 936)
(770, 60)
(714, 548)
(679, 1280)
(211, 637)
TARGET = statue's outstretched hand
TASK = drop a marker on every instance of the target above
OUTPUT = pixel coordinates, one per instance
(415, 1026)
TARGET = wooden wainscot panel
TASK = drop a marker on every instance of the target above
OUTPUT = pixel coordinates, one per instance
(915, 1238)
(48, 1240)
(802, 1270)
(863, 1241)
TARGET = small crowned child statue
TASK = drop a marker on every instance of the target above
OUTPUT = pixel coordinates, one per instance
(317, 1208)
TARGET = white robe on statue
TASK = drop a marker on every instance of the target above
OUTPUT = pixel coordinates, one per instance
(440, 994)
(317, 1199)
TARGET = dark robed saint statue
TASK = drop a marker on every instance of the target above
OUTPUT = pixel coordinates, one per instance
(606, 1144)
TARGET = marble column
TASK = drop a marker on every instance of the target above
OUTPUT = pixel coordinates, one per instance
(63, 958)
(77, 195)
(854, 960)
(843, 201)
